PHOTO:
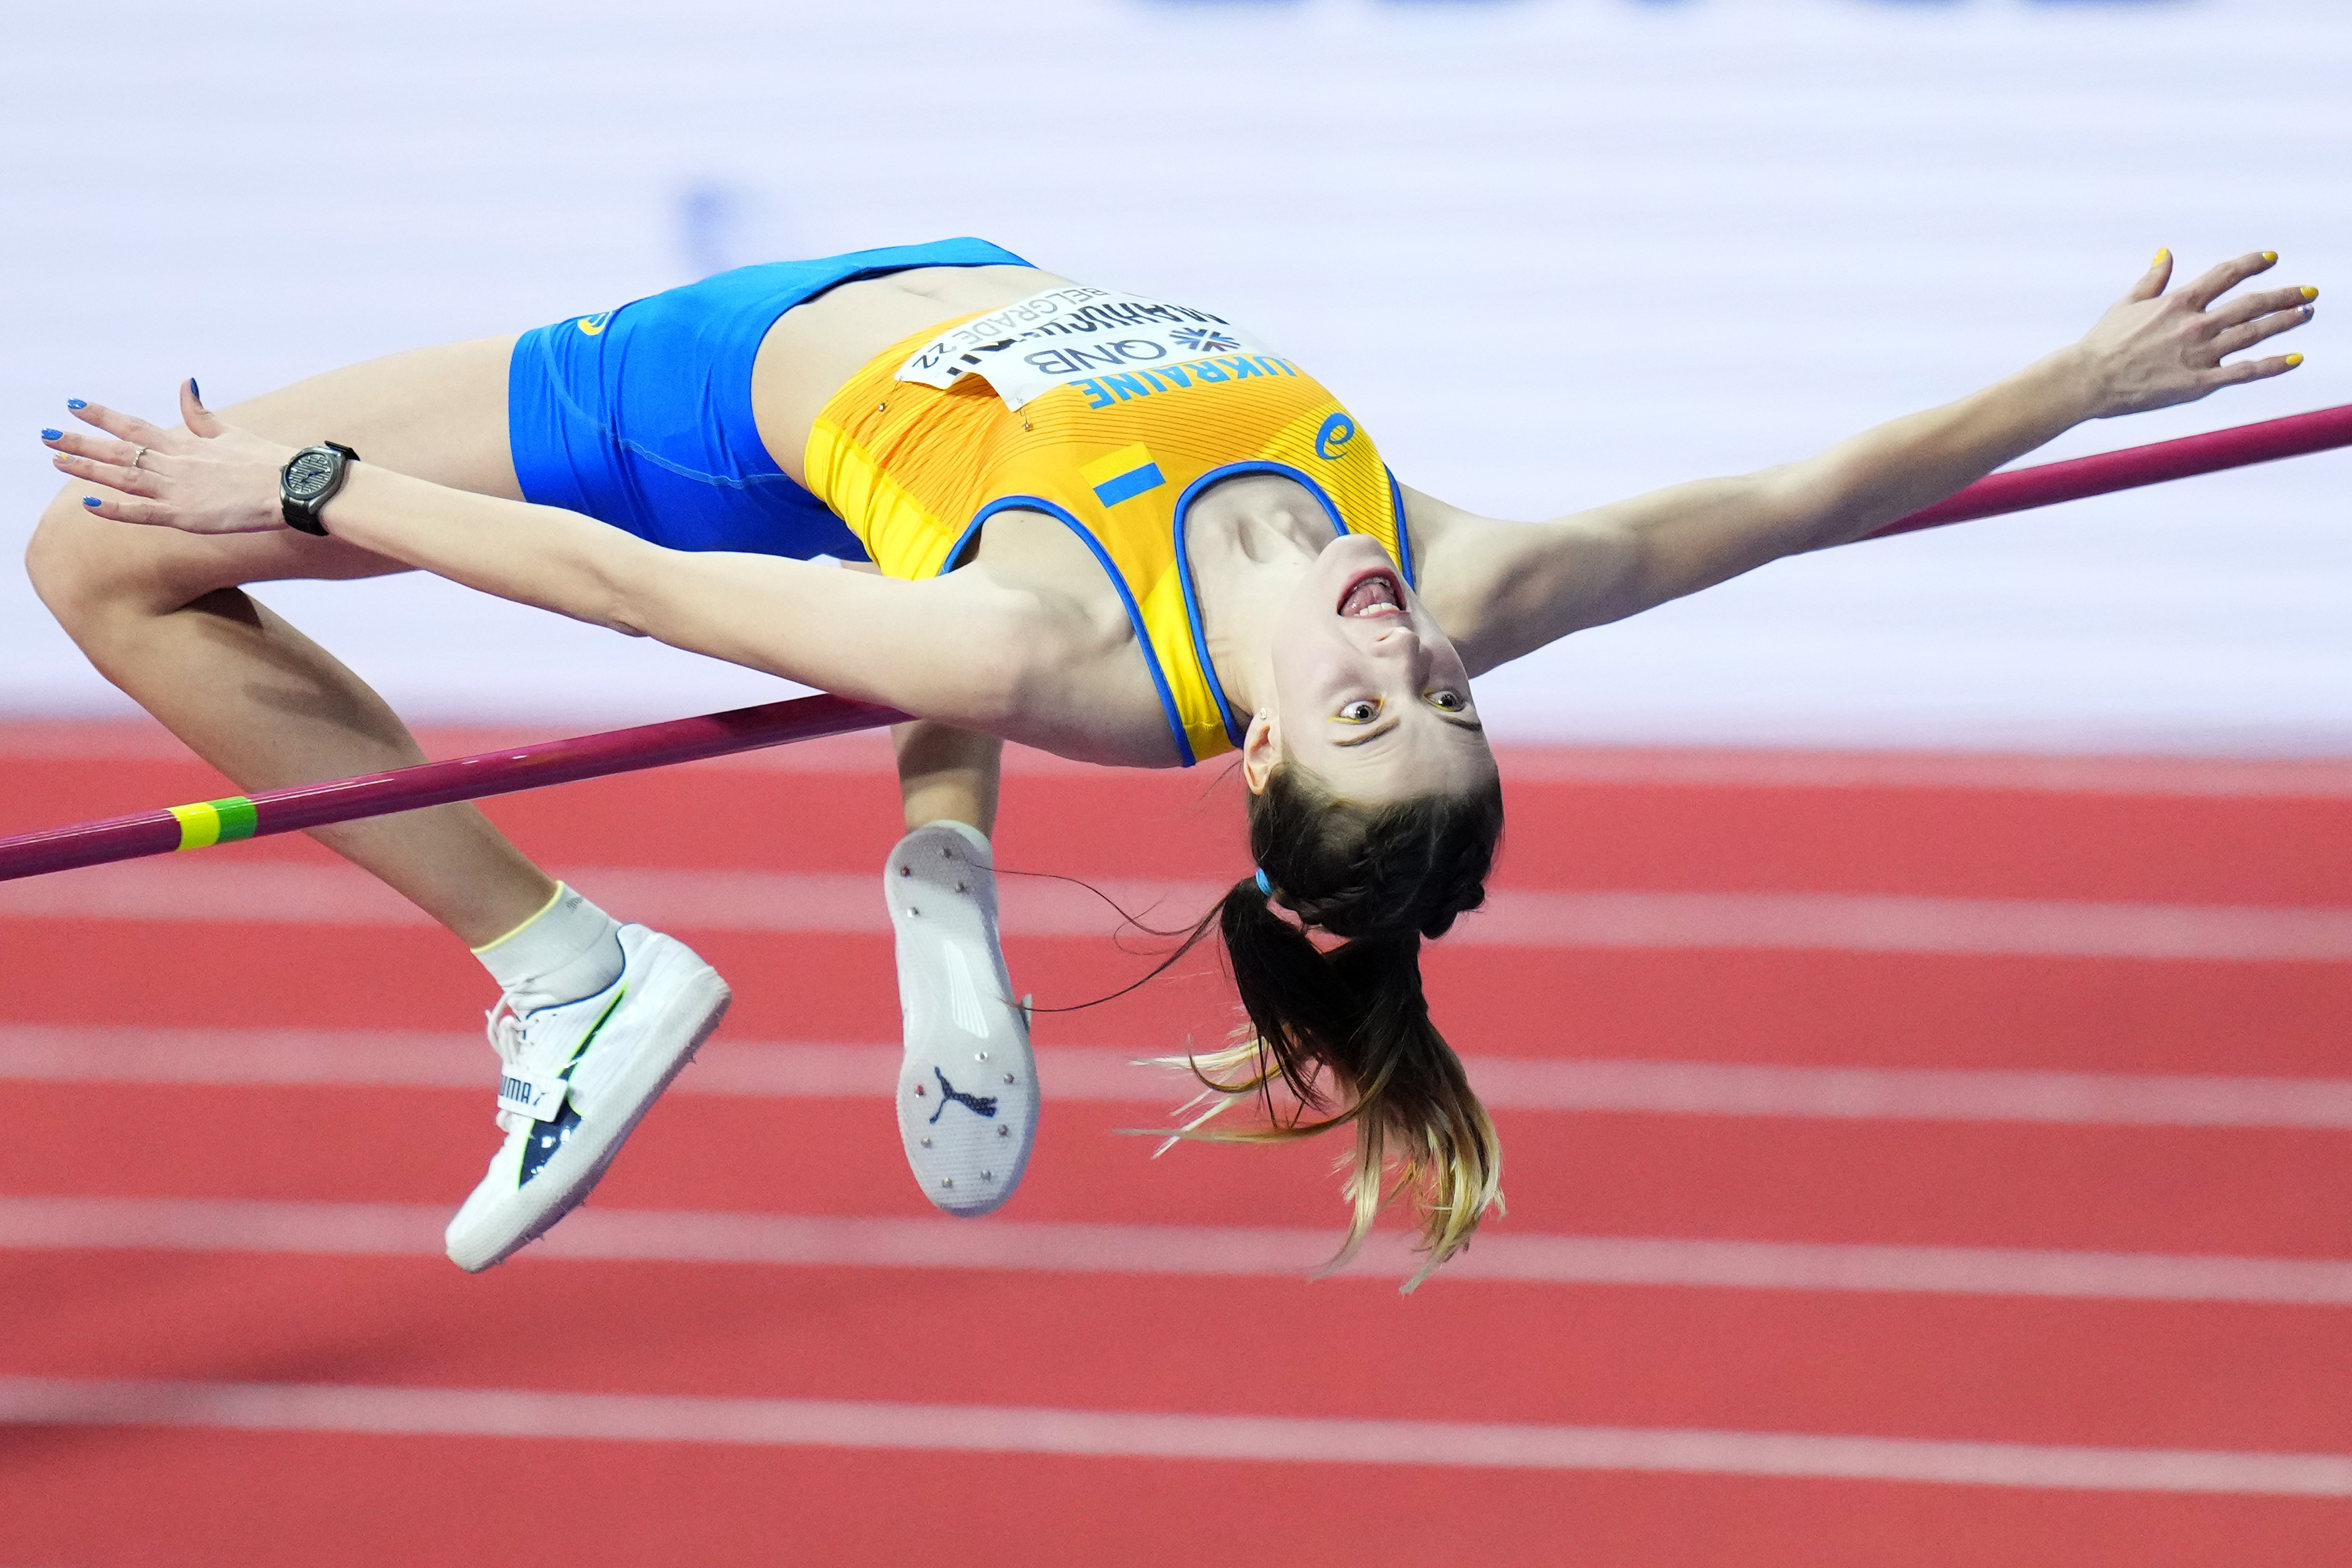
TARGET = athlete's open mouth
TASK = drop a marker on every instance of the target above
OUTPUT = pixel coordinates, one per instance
(1374, 593)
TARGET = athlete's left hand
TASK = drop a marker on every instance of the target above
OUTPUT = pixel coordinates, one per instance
(206, 478)
(2152, 348)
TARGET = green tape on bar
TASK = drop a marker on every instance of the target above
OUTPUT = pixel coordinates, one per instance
(238, 818)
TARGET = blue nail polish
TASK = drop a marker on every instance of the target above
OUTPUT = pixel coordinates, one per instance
(53, 435)
(75, 402)
(90, 500)
(194, 390)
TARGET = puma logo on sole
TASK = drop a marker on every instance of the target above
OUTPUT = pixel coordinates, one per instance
(985, 1104)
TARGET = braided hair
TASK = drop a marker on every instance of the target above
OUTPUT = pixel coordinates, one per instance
(1345, 1031)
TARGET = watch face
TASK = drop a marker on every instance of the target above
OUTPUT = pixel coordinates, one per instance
(310, 472)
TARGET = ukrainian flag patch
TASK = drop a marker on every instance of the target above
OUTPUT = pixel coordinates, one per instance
(1123, 475)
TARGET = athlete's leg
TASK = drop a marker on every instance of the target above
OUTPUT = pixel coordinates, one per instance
(947, 774)
(163, 615)
(967, 1084)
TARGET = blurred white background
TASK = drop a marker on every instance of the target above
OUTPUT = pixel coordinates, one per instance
(1747, 228)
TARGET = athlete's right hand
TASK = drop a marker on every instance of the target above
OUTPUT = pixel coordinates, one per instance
(206, 477)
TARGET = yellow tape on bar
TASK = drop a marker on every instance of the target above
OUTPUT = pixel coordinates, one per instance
(199, 825)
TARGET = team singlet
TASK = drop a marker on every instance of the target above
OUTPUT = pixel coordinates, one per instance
(1108, 412)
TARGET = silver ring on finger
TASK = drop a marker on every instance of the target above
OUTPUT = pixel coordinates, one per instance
(136, 455)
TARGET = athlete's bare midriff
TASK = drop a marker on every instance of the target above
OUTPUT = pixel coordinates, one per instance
(815, 347)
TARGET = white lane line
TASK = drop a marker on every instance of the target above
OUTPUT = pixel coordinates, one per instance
(31, 1052)
(1940, 1094)
(1513, 918)
(375, 1229)
(1870, 923)
(825, 902)
(1274, 1439)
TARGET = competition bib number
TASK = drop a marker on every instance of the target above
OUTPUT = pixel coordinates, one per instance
(1067, 336)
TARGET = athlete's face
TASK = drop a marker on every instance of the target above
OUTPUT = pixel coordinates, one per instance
(1370, 695)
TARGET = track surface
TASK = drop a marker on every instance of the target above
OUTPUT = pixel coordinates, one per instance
(1127, 1365)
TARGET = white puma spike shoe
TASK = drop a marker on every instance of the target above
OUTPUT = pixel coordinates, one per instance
(574, 1080)
(968, 1087)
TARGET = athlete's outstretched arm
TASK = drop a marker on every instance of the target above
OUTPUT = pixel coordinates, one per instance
(958, 649)
(1503, 590)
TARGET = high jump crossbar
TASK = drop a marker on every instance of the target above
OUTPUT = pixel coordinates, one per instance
(2022, 489)
(645, 746)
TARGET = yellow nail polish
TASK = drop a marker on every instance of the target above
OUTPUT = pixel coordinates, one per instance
(2160, 254)
(2270, 255)
(2292, 360)
(2310, 293)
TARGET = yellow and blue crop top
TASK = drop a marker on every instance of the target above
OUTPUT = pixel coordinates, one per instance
(915, 470)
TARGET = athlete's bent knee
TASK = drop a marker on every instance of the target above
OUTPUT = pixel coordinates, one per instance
(84, 567)
(57, 562)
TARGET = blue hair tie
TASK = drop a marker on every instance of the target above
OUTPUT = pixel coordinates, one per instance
(1264, 886)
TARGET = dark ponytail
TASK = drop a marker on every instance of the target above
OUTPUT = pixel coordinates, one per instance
(1346, 1032)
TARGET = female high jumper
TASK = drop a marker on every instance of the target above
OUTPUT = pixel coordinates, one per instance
(1117, 529)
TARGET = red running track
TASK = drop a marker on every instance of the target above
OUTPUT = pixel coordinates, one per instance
(283, 1372)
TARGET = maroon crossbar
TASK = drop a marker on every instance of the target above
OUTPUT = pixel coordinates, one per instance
(2024, 489)
(439, 783)
(806, 718)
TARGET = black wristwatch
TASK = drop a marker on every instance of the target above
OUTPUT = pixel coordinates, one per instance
(309, 480)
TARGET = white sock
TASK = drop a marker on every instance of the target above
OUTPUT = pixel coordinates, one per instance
(570, 949)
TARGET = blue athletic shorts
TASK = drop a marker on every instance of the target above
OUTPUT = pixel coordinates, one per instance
(641, 416)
